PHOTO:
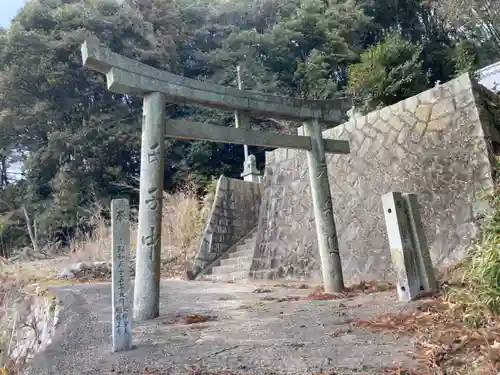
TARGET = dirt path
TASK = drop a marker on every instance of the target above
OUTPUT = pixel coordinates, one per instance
(248, 335)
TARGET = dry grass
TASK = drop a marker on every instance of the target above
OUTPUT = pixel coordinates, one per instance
(182, 224)
(14, 303)
(8, 299)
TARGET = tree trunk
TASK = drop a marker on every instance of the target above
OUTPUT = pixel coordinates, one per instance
(31, 231)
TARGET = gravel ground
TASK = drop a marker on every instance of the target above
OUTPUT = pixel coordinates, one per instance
(248, 335)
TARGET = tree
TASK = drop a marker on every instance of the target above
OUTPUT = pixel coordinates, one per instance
(474, 19)
(81, 143)
(76, 133)
(388, 72)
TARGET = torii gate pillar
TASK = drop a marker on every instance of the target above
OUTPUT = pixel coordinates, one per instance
(148, 256)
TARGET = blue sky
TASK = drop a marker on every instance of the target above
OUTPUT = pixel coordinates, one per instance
(8, 9)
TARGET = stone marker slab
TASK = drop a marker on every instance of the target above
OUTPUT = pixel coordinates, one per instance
(422, 254)
(121, 285)
(402, 249)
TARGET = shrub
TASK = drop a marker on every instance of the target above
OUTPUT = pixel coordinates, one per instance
(480, 298)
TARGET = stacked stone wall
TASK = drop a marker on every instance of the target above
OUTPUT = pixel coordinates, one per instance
(234, 213)
(438, 145)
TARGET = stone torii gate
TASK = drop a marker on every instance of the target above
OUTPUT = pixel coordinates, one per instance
(128, 76)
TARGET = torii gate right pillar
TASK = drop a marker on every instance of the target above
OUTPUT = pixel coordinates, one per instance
(328, 245)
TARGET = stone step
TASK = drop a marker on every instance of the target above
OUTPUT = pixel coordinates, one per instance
(218, 270)
(232, 276)
(271, 273)
(251, 240)
(237, 260)
(235, 265)
(240, 249)
(241, 253)
(246, 247)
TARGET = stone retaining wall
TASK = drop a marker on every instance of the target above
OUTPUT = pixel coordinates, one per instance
(438, 144)
(234, 213)
(33, 330)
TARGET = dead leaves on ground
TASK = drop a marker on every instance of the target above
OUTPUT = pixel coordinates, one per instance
(442, 339)
(280, 299)
(292, 286)
(318, 293)
(190, 319)
(366, 371)
(262, 290)
(363, 287)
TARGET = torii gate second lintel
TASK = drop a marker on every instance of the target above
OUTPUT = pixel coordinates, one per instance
(157, 86)
(184, 129)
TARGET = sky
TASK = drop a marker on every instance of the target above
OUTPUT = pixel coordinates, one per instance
(8, 10)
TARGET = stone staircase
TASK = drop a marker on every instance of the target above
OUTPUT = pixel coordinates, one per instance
(236, 263)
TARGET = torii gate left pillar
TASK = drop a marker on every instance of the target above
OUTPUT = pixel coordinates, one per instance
(148, 254)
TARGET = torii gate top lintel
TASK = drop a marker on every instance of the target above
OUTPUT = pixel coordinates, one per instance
(127, 76)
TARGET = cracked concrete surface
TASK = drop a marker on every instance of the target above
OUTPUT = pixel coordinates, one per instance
(251, 333)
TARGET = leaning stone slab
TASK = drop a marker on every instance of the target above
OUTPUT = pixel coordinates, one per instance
(402, 250)
(121, 285)
(423, 258)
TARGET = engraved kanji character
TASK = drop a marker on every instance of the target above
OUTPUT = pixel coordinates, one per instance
(153, 201)
(151, 239)
(154, 153)
(120, 215)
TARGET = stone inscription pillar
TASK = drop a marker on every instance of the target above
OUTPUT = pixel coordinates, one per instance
(121, 287)
(331, 266)
(148, 258)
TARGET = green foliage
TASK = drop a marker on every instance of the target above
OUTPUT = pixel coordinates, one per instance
(80, 143)
(387, 73)
(212, 186)
(481, 270)
(465, 57)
